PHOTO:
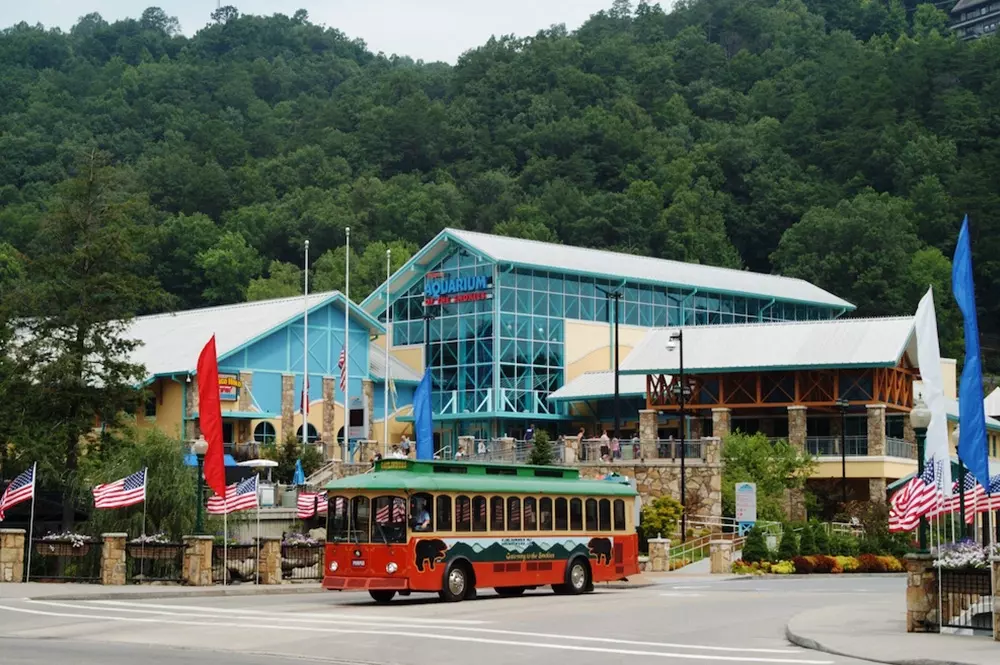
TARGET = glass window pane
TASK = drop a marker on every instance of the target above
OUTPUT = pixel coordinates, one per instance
(479, 513)
(420, 512)
(463, 514)
(619, 514)
(530, 514)
(496, 513)
(545, 514)
(591, 514)
(359, 519)
(604, 515)
(513, 514)
(443, 514)
(576, 515)
(562, 521)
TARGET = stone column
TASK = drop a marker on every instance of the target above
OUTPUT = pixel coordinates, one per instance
(659, 555)
(908, 434)
(710, 493)
(797, 427)
(467, 444)
(269, 563)
(191, 429)
(571, 450)
(876, 429)
(328, 435)
(696, 428)
(921, 594)
(721, 554)
(722, 422)
(368, 391)
(996, 598)
(648, 433)
(287, 406)
(198, 560)
(113, 559)
(877, 490)
(795, 505)
(12, 555)
(711, 447)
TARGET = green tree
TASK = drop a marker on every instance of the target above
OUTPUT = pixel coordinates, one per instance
(660, 517)
(367, 270)
(807, 543)
(774, 467)
(821, 538)
(229, 266)
(283, 280)
(755, 547)
(788, 548)
(542, 452)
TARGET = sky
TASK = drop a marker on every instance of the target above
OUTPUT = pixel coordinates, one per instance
(422, 29)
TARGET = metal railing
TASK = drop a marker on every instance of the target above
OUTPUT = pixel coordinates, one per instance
(966, 599)
(55, 561)
(900, 448)
(512, 451)
(154, 562)
(829, 446)
(302, 562)
(235, 564)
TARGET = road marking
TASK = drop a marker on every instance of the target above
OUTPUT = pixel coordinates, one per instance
(427, 636)
(400, 623)
(681, 594)
(693, 588)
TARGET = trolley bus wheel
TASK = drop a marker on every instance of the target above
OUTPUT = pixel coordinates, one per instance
(381, 595)
(577, 577)
(456, 584)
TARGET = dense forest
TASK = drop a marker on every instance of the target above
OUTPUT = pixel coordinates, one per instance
(840, 141)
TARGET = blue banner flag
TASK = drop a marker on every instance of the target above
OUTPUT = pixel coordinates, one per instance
(423, 418)
(971, 417)
(299, 477)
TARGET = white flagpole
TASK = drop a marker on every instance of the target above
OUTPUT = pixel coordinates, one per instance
(305, 353)
(31, 523)
(142, 543)
(225, 540)
(388, 341)
(257, 565)
(347, 338)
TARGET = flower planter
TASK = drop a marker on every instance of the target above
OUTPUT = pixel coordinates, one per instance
(57, 548)
(155, 550)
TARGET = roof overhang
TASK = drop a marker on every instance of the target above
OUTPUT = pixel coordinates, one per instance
(599, 385)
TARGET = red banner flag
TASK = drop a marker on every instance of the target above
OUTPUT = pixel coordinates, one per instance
(210, 417)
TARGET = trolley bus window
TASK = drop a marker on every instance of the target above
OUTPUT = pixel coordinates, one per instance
(545, 514)
(513, 514)
(336, 527)
(576, 515)
(562, 520)
(358, 529)
(420, 512)
(604, 512)
(591, 514)
(479, 513)
(463, 514)
(619, 515)
(530, 516)
(389, 525)
(443, 512)
(496, 513)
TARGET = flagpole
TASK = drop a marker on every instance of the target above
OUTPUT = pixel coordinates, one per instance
(225, 540)
(142, 542)
(347, 339)
(388, 340)
(305, 353)
(31, 522)
(257, 565)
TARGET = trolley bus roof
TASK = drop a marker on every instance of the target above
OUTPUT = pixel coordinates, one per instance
(428, 476)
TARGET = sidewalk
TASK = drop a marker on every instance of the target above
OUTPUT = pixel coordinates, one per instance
(875, 630)
(71, 591)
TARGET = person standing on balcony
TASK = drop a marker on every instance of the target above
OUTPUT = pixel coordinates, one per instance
(605, 446)
(529, 434)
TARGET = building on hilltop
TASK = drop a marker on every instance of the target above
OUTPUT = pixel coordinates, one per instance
(971, 19)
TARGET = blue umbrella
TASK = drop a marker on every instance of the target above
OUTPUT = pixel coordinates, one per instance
(300, 477)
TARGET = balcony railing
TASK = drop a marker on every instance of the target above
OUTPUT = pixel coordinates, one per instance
(899, 448)
(829, 446)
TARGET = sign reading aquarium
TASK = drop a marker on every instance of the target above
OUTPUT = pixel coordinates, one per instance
(441, 290)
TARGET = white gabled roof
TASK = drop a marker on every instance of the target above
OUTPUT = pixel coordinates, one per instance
(773, 346)
(991, 403)
(601, 263)
(170, 343)
(400, 371)
(600, 385)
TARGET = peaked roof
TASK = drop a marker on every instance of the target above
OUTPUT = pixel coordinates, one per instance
(600, 385)
(605, 264)
(399, 371)
(991, 403)
(171, 342)
(776, 346)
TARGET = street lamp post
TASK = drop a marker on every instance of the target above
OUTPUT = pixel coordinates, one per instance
(200, 448)
(677, 339)
(843, 404)
(920, 418)
(616, 296)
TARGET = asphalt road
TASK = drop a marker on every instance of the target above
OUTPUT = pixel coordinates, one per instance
(688, 622)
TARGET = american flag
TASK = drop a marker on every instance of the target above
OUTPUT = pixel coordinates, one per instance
(972, 490)
(305, 398)
(398, 513)
(239, 496)
(311, 503)
(914, 500)
(121, 493)
(20, 489)
(342, 366)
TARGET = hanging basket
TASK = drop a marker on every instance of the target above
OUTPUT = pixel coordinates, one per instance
(59, 548)
(155, 550)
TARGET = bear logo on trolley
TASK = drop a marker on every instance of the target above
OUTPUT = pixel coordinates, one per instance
(429, 552)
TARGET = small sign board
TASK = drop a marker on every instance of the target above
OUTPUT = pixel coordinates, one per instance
(746, 506)
(229, 387)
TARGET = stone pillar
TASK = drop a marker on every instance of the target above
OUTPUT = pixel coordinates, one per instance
(191, 429)
(795, 505)
(996, 598)
(721, 554)
(113, 559)
(198, 560)
(648, 433)
(467, 444)
(908, 434)
(877, 490)
(711, 447)
(722, 423)
(287, 406)
(245, 403)
(710, 494)
(659, 555)
(921, 594)
(797, 427)
(269, 563)
(876, 429)
(328, 435)
(696, 428)
(12, 555)
(571, 449)
(368, 392)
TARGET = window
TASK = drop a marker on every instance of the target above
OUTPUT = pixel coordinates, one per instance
(389, 525)
(513, 514)
(545, 514)
(530, 515)
(463, 514)
(591, 514)
(619, 514)
(444, 513)
(479, 513)
(336, 526)
(604, 514)
(562, 522)
(311, 435)
(496, 513)
(575, 515)
(264, 433)
(359, 519)
(150, 407)
(420, 512)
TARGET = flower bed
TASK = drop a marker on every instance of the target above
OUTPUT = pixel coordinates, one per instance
(63, 544)
(155, 546)
(965, 555)
(821, 564)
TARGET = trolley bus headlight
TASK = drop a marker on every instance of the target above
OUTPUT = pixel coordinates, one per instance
(333, 566)
(391, 567)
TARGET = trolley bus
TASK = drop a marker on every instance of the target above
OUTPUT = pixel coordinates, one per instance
(452, 527)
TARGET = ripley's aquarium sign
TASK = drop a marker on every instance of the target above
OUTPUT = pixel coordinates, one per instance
(442, 290)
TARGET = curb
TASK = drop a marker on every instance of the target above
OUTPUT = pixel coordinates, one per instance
(796, 576)
(193, 593)
(813, 645)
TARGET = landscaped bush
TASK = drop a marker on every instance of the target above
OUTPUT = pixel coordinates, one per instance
(842, 544)
(755, 548)
(871, 563)
(848, 564)
(893, 564)
(788, 548)
(803, 565)
(821, 538)
(823, 564)
(807, 543)
(782, 568)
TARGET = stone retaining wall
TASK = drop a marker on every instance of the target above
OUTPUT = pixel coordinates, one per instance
(11, 555)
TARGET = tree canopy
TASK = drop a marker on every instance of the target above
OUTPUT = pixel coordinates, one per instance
(840, 141)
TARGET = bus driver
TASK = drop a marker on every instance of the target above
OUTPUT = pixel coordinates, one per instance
(421, 517)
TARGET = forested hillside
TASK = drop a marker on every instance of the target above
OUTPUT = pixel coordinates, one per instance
(836, 140)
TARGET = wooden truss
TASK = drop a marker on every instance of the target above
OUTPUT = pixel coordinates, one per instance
(892, 386)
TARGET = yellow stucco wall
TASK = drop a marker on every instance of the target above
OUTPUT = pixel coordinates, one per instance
(864, 468)
(588, 346)
(949, 369)
(169, 401)
(412, 356)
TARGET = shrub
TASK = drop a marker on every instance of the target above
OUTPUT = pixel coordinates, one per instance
(542, 452)
(844, 545)
(848, 564)
(755, 548)
(660, 517)
(892, 564)
(783, 568)
(870, 563)
(803, 565)
(807, 544)
(823, 563)
(821, 539)
(788, 548)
